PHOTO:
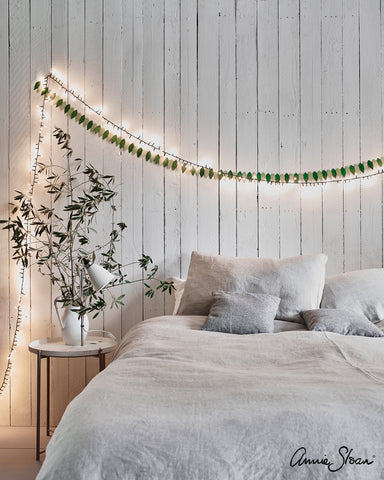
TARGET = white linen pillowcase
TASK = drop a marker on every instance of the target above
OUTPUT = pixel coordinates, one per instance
(360, 291)
(297, 281)
(177, 293)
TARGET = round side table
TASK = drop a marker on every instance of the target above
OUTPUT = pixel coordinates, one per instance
(55, 347)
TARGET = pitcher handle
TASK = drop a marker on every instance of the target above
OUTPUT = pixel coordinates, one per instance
(55, 302)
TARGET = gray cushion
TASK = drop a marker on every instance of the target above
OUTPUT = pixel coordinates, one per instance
(297, 281)
(242, 313)
(340, 321)
(361, 291)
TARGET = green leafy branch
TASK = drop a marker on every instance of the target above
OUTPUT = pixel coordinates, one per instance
(57, 235)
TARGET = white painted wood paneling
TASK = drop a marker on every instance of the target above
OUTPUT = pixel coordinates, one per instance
(208, 122)
(268, 126)
(4, 189)
(246, 125)
(188, 130)
(371, 132)
(19, 177)
(310, 123)
(272, 85)
(331, 129)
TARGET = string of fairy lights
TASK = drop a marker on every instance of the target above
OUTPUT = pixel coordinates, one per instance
(124, 140)
(19, 311)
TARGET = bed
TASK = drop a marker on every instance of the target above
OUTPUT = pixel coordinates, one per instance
(181, 403)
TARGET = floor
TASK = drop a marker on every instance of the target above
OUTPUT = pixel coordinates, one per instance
(17, 453)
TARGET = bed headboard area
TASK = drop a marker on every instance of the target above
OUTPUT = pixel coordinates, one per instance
(257, 131)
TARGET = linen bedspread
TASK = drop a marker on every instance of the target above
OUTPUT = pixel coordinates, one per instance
(180, 403)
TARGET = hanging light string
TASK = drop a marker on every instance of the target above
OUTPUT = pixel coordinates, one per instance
(19, 312)
(135, 145)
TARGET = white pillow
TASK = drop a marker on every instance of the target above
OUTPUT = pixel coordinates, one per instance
(361, 291)
(177, 292)
(297, 281)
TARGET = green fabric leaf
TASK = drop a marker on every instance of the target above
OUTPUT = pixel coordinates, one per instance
(324, 174)
(113, 139)
(305, 176)
(230, 174)
(379, 162)
(211, 173)
(44, 91)
(334, 173)
(258, 176)
(105, 134)
(59, 102)
(220, 175)
(131, 147)
(361, 167)
(239, 175)
(122, 143)
(343, 171)
(286, 177)
(139, 151)
(89, 124)
(37, 85)
(315, 176)
(81, 119)
(193, 171)
(148, 156)
(183, 168)
(157, 159)
(277, 178)
(202, 171)
(97, 129)
(67, 107)
(73, 114)
(296, 177)
(268, 177)
(370, 164)
(352, 169)
(249, 175)
(174, 165)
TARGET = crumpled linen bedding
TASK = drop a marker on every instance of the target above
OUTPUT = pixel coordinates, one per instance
(181, 403)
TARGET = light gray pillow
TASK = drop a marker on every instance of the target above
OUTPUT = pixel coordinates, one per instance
(297, 281)
(361, 291)
(242, 313)
(340, 321)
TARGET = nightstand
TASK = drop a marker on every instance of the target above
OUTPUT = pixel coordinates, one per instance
(55, 347)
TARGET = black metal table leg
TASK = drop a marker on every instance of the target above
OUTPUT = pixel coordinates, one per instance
(48, 395)
(38, 406)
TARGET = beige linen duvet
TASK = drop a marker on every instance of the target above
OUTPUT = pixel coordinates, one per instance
(180, 403)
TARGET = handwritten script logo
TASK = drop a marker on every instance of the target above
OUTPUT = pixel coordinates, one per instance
(343, 457)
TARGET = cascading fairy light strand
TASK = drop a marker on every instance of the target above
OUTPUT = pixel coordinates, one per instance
(139, 147)
(19, 313)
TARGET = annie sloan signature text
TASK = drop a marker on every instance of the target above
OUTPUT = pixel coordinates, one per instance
(344, 457)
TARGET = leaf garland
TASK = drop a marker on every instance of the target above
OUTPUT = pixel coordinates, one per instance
(358, 170)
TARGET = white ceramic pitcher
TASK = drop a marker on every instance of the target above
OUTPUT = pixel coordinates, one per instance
(71, 324)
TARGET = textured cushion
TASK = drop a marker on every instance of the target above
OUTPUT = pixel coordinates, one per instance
(280, 326)
(361, 291)
(340, 321)
(242, 313)
(297, 281)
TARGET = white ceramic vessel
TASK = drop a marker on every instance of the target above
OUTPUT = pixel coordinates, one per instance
(71, 324)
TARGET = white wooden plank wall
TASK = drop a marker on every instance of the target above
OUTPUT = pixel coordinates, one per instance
(269, 85)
